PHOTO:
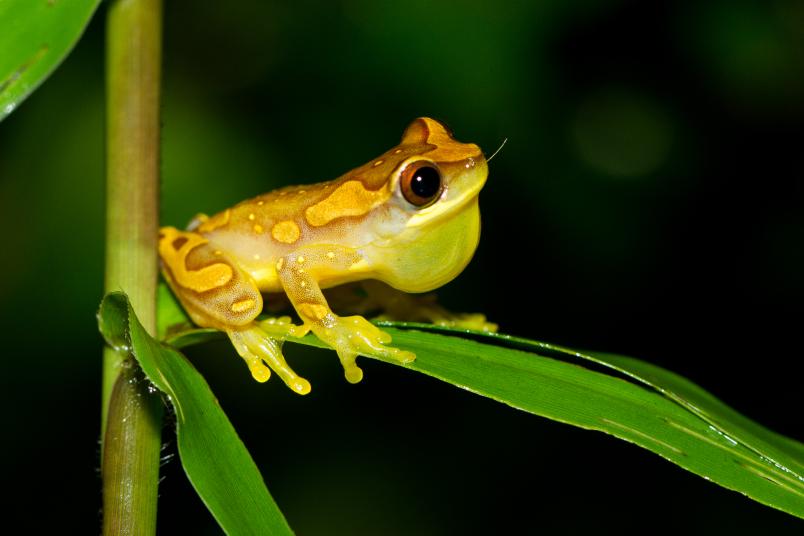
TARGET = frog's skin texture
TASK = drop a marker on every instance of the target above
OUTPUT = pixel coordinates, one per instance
(371, 224)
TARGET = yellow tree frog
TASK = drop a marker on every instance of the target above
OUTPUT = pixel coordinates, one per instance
(408, 219)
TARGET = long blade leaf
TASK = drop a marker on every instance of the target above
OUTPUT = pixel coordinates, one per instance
(782, 451)
(638, 402)
(213, 456)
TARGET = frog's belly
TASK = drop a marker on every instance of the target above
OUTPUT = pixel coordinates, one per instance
(259, 257)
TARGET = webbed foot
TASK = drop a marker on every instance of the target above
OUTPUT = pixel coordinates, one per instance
(261, 344)
(351, 336)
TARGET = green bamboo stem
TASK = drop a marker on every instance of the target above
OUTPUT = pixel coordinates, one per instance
(131, 415)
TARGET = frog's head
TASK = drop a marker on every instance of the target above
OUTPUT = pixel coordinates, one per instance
(428, 228)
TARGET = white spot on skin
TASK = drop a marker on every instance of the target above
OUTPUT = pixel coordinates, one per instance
(251, 216)
(398, 151)
(330, 254)
(300, 260)
(378, 163)
(302, 284)
(256, 256)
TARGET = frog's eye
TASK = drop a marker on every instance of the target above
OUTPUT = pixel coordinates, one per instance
(420, 183)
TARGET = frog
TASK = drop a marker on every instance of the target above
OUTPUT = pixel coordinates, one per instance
(404, 223)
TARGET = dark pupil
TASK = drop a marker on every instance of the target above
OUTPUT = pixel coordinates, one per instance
(426, 182)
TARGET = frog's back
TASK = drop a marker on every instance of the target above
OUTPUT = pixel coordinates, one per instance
(307, 213)
(258, 214)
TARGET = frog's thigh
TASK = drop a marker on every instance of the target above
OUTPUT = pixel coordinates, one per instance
(213, 289)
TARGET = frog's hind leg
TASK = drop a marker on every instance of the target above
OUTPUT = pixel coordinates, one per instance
(216, 293)
(401, 306)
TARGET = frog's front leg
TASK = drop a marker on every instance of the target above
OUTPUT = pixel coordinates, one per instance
(218, 294)
(300, 273)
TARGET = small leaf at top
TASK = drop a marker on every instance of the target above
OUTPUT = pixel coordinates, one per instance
(35, 37)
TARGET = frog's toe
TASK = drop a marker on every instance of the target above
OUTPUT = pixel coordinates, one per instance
(259, 371)
(403, 356)
(351, 371)
(299, 385)
(377, 335)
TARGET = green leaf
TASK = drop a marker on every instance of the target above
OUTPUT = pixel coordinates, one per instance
(638, 402)
(782, 451)
(35, 38)
(213, 456)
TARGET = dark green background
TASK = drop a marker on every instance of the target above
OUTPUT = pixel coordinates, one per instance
(648, 202)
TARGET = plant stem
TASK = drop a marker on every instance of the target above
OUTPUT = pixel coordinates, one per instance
(131, 416)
